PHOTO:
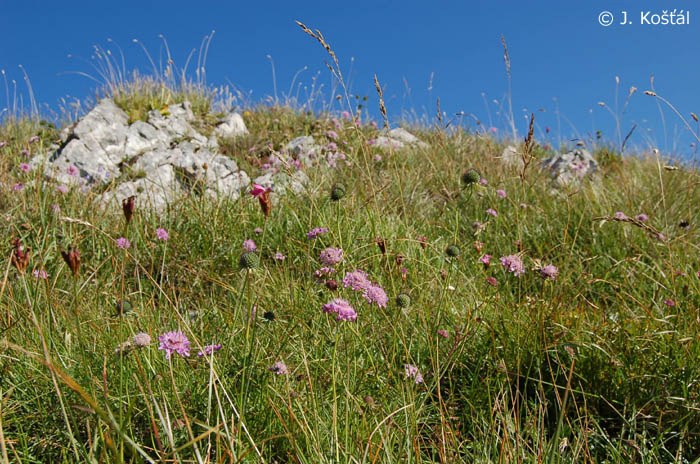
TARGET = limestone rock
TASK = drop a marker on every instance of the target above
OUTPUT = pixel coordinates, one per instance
(232, 126)
(569, 167)
(399, 138)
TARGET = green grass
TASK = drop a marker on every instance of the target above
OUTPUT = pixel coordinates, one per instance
(590, 367)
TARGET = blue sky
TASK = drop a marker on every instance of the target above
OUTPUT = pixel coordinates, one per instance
(561, 57)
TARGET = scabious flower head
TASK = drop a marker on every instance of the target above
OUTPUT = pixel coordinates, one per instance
(209, 350)
(331, 256)
(501, 193)
(40, 274)
(620, 215)
(161, 233)
(514, 264)
(174, 342)
(249, 245)
(483, 181)
(279, 368)
(492, 212)
(412, 371)
(670, 303)
(279, 256)
(258, 230)
(376, 294)
(313, 233)
(341, 308)
(642, 217)
(356, 280)
(25, 167)
(331, 134)
(549, 272)
(141, 339)
(123, 242)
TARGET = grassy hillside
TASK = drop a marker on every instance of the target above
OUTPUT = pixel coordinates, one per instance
(466, 359)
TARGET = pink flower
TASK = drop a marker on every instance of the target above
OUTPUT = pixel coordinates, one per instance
(486, 259)
(25, 167)
(549, 272)
(642, 217)
(514, 264)
(161, 233)
(249, 245)
(356, 280)
(258, 231)
(72, 170)
(279, 368)
(345, 115)
(174, 342)
(34, 138)
(17, 187)
(313, 233)
(259, 190)
(492, 212)
(331, 256)
(483, 181)
(123, 242)
(412, 371)
(331, 134)
(62, 188)
(493, 129)
(371, 141)
(698, 274)
(620, 215)
(324, 272)
(377, 158)
(376, 294)
(40, 274)
(501, 193)
(670, 303)
(279, 256)
(492, 281)
(341, 308)
(209, 350)
(443, 333)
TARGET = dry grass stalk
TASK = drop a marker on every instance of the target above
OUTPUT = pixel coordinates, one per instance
(382, 108)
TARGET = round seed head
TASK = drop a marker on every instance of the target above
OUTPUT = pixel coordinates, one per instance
(403, 300)
(123, 307)
(452, 251)
(249, 260)
(471, 176)
(338, 191)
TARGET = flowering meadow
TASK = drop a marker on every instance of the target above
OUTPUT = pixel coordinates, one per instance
(426, 304)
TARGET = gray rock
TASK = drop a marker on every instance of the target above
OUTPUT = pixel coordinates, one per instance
(282, 182)
(304, 149)
(570, 167)
(399, 138)
(232, 126)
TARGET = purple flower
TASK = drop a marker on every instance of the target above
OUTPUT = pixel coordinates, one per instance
(40, 274)
(377, 158)
(3, 144)
(492, 212)
(486, 259)
(356, 280)
(174, 342)
(62, 188)
(483, 181)
(331, 256)
(161, 233)
(412, 371)
(620, 215)
(123, 242)
(279, 256)
(345, 115)
(501, 193)
(698, 274)
(25, 167)
(642, 217)
(324, 272)
(72, 170)
(514, 264)
(34, 138)
(443, 333)
(209, 350)
(331, 134)
(492, 281)
(670, 303)
(332, 146)
(376, 294)
(313, 233)
(141, 339)
(249, 245)
(476, 225)
(341, 308)
(25, 153)
(279, 368)
(17, 187)
(549, 272)
(55, 208)
(371, 141)
(258, 230)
